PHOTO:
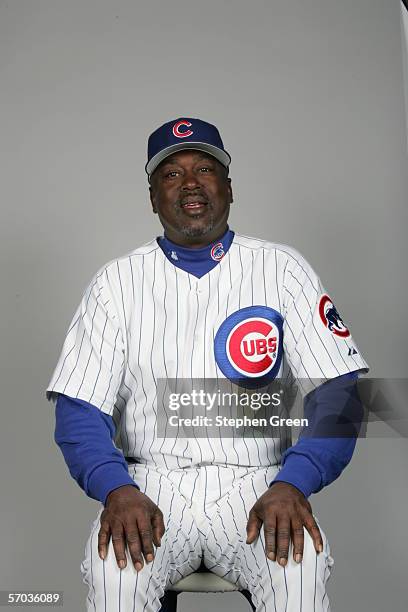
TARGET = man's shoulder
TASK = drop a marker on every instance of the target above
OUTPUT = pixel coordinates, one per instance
(281, 250)
(134, 256)
(122, 268)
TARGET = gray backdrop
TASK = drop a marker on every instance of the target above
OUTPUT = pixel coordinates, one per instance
(308, 96)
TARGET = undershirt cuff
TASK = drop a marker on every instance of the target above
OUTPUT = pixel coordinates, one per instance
(106, 478)
(300, 472)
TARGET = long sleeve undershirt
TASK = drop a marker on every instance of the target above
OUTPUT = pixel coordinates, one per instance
(319, 457)
(85, 436)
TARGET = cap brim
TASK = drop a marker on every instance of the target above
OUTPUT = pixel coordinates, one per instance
(222, 156)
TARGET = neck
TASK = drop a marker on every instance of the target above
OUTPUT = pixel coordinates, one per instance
(196, 242)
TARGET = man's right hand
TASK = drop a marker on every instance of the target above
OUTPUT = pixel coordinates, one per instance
(131, 519)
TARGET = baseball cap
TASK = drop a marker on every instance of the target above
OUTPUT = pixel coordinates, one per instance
(184, 133)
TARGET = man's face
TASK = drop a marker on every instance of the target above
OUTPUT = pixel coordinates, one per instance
(191, 193)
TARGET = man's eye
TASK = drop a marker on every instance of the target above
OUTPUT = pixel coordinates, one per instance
(205, 169)
(171, 174)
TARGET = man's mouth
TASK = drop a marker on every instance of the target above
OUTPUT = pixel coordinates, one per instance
(193, 203)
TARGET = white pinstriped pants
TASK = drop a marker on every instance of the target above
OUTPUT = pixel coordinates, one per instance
(205, 514)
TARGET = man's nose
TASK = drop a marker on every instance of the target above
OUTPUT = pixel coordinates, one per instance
(190, 180)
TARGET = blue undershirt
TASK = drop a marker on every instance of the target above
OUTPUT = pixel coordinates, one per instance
(196, 261)
(85, 434)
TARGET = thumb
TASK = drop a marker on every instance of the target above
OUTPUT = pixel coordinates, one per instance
(158, 527)
(253, 526)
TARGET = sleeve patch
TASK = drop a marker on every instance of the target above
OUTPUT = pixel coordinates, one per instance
(331, 318)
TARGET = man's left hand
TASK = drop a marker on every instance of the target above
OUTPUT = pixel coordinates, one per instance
(284, 512)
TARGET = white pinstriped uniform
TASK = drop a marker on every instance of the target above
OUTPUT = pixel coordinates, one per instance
(140, 319)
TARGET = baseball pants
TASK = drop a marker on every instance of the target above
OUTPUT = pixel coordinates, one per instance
(205, 512)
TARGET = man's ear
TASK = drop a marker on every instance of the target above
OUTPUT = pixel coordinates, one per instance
(230, 190)
(152, 199)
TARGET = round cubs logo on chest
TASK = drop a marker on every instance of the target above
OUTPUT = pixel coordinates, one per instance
(248, 345)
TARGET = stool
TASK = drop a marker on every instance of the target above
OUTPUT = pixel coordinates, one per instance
(200, 581)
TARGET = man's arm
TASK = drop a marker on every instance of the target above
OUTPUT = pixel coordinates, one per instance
(312, 463)
(319, 456)
(85, 436)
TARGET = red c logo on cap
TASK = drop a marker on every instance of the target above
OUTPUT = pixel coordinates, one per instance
(176, 129)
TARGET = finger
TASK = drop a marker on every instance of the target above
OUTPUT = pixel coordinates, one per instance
(298, 540)
(270, 538)
(119, 544)
(254, 524)
(103, 539)
(283, 541)
(146, 537)
(158, 527)
(314, 531)
(134, 546)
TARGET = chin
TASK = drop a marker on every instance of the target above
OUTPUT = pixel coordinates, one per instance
(194, 231)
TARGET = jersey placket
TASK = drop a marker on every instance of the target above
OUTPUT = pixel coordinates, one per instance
(194, 356)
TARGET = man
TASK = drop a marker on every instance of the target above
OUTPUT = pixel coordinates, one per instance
(201, 302)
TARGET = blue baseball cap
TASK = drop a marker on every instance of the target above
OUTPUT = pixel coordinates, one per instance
(184, 133)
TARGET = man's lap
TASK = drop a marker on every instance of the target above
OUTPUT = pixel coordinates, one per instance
(205, 514)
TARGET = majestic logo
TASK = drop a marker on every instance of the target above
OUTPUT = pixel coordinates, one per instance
(217, 251)
(182, 134)
(248, 346)
(331, 318)
(173, 255)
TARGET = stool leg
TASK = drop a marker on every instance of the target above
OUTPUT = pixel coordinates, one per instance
(247, 596)
(169, 602)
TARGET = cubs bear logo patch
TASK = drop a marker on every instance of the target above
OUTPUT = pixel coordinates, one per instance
(331, 318)
(248, 346)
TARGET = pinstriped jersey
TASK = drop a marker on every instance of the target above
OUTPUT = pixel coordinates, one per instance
(261, 312)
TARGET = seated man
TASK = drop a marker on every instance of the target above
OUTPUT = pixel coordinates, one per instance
(201, 302)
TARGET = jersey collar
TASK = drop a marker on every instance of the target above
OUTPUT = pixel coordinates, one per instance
(213, 252)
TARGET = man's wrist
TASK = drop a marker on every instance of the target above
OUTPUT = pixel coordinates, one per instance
(118, 489)
(283, 483)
